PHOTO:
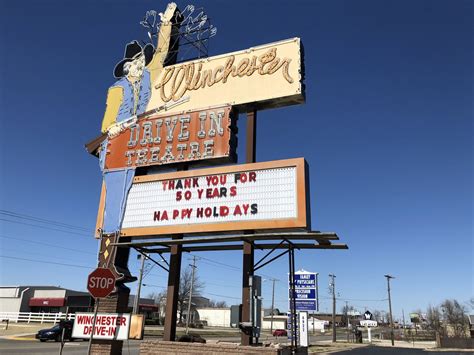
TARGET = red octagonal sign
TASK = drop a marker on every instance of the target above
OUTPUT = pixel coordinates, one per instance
(101, 282)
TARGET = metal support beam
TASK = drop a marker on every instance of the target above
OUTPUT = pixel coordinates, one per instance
(272, 259)
(197, 248)
(248, 248)
(145, 254)
(294, 320)
(250, 237)
(267, 254)
(172, 294)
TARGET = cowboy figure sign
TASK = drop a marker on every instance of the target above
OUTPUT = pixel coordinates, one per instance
(127, 98)
(140, 67)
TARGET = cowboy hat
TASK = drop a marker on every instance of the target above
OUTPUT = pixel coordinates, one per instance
(131, 50)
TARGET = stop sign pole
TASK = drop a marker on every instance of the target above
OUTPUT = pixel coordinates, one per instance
(93, 325)
(100, 283)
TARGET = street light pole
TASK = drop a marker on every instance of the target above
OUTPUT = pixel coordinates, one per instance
(333, 289)
(390, 307)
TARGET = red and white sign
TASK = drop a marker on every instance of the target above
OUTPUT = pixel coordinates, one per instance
(107, 326)
(101, 282)
(269, 195)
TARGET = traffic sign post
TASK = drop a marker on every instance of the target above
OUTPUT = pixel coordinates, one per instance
(93, 326)
(101, 282)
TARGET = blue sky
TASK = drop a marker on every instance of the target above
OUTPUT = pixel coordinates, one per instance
(386, 130)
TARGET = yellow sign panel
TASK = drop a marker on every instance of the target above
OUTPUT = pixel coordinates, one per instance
(261, 77)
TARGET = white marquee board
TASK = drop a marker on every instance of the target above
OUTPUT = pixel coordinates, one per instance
(250, 196)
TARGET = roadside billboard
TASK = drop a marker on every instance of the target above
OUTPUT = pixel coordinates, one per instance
(270, 195)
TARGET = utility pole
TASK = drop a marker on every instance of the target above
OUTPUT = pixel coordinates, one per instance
(403, 315)
(188, 316)
(273, 304)
(390, 307)
(347, 320)
(317, 295)
(333, 290)
(139, 288)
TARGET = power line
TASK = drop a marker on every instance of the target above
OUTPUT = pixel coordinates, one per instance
(204, 293)
(34, 253)
(360, 300)
(232, 267)
(42, 220)
(46, 262)
(224, 296)
(46, 244)
(218, 263)
(44, 227)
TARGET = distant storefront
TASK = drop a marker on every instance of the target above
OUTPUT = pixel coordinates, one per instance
(47, 299)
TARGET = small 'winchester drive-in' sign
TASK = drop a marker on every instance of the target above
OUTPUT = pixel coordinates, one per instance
(107, 326)
(269, 195)
(206, 134)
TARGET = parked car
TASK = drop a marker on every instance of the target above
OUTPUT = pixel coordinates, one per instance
(55, 332)
(280, 333)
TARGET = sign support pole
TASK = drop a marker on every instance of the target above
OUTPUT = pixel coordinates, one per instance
(93, 326)
(172, 293)
(174, 275)
(248, 249)
(62, 333)
(293, 315)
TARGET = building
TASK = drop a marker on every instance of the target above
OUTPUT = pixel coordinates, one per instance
(279, 321)
(146, 306)
(47, 299)
(214, 317)
(328, 317)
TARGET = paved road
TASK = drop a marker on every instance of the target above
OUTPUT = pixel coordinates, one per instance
(378, 350)
(34, 347)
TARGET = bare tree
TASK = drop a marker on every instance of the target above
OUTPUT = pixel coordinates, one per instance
(433, 319)
(185, 289)
(346, 312)
(378, 316)
(454, 315)
(216, 304)
(160, 301)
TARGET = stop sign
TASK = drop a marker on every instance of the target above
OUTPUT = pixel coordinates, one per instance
(101, 282)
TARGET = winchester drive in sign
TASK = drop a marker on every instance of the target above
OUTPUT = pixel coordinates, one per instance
(264, 76)
(107, 326)
(188, 136)
(239, 197)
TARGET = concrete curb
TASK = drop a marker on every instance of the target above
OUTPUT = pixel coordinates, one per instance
(19, 336)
